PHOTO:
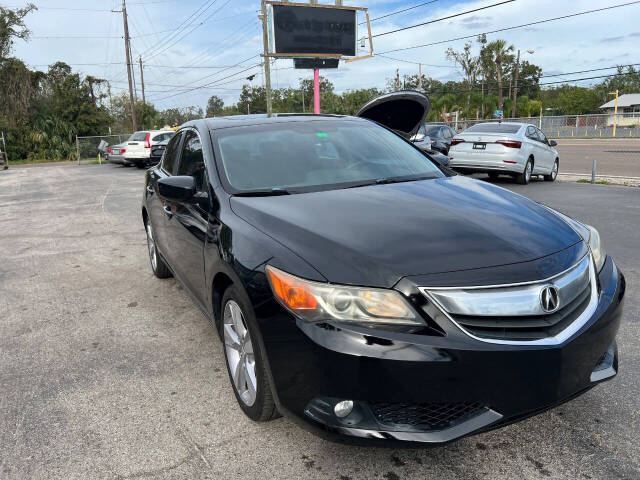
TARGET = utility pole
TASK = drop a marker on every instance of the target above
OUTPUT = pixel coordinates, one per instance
(615, 112)
(515, 86)
(127, 48)
(267, 66)
(142, 80)
(144, 100)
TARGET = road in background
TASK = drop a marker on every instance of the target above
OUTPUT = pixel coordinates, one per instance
(619, 157)
(108, 372)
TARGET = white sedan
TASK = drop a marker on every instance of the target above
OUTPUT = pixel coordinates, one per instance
(517, 149)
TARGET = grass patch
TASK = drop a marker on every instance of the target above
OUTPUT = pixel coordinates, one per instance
(29, 161)
(598, 182)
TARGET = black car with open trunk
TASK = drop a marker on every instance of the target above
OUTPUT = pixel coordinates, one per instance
(369, 293)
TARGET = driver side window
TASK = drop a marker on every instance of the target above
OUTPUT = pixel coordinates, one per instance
(192, 161)
(171, 154)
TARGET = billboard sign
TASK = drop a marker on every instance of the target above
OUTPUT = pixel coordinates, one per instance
(314, 30)
(313, 63)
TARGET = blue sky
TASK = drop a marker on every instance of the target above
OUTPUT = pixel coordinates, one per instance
(232, 33)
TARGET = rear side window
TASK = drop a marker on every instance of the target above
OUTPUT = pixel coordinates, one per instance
(138, 137)
(171, 154)
(192, 161)
(493, 128)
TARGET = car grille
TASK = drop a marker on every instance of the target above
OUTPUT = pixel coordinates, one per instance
(533, 327)
(424, 416)
(515, 312)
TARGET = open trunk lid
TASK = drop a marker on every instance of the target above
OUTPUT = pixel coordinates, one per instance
(402, 112)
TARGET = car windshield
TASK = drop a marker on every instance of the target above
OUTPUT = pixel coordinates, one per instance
(317, 155)
(138, 137)
(493, 128)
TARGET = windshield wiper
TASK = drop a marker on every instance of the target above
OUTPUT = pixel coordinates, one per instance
(412, 178)
(274, 192)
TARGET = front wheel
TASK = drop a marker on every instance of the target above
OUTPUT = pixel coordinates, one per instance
(524, 177)
(245, 360)
(554, 172)
(158, 266)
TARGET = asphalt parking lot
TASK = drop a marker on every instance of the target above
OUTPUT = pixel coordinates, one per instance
(108, 372)
(618, 157)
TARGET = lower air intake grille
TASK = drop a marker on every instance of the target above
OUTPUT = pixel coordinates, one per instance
(424, 416)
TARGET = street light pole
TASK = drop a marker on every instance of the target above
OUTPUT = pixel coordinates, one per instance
(515, 87)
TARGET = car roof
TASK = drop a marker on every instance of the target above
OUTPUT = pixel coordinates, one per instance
(217, 123)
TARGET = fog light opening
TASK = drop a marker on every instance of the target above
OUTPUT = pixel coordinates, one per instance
(343, 408)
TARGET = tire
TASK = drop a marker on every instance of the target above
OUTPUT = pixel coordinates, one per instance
(524, 177)
(158, 266)
(244, 358)
(493, 176)
(554, 172)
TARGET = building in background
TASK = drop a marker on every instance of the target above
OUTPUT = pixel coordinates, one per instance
(628, 110)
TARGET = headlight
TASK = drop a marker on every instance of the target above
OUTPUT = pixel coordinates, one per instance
(590, 235)
(597, 247)
(317, 302)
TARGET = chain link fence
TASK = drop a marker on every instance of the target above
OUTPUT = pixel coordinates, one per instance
(627, 125)
(94, 149)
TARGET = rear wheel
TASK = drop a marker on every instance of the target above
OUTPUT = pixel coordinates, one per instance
(244, 358)
(554, 172)
(525, 177)
(158, 266)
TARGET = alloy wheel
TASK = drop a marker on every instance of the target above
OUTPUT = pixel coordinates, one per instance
(151, 244)
(554, 172)
(528, 171)
(240, 355)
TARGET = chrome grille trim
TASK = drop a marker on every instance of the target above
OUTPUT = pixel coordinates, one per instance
(436, 294)
(515, 300)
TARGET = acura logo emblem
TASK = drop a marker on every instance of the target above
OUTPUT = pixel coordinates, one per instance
(549, 298)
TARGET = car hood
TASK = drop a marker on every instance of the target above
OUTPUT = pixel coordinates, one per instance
(376, 235)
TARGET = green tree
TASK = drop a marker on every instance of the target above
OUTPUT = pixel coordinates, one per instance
(499, 54)
(12, 26)
(214, 106)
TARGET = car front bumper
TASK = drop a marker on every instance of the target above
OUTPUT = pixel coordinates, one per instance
(391, 376)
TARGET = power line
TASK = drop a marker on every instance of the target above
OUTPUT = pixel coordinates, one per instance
(398, 11)
(511, 28)
(443, 18)
(169, 38)
(192, 30)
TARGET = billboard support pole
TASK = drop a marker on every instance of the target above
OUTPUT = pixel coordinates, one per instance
(267, 67)
(316, 91)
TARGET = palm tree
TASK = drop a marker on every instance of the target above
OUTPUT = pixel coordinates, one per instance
(498, 53)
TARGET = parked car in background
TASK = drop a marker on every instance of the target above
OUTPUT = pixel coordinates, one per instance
(364, 292)
(517, 149)
(157, 151)
(435, 136)
(137, 149)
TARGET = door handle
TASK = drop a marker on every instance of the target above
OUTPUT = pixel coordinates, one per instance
(167, 211)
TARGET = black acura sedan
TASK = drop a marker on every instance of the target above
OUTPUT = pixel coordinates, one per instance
(370, 294)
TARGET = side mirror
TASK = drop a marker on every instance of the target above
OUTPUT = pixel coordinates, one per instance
(553, 143)
(177, 189)
(418, 137)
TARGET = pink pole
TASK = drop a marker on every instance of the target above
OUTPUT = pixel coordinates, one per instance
(316, 91)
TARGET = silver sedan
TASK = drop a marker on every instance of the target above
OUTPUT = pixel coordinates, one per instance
(517, 149)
